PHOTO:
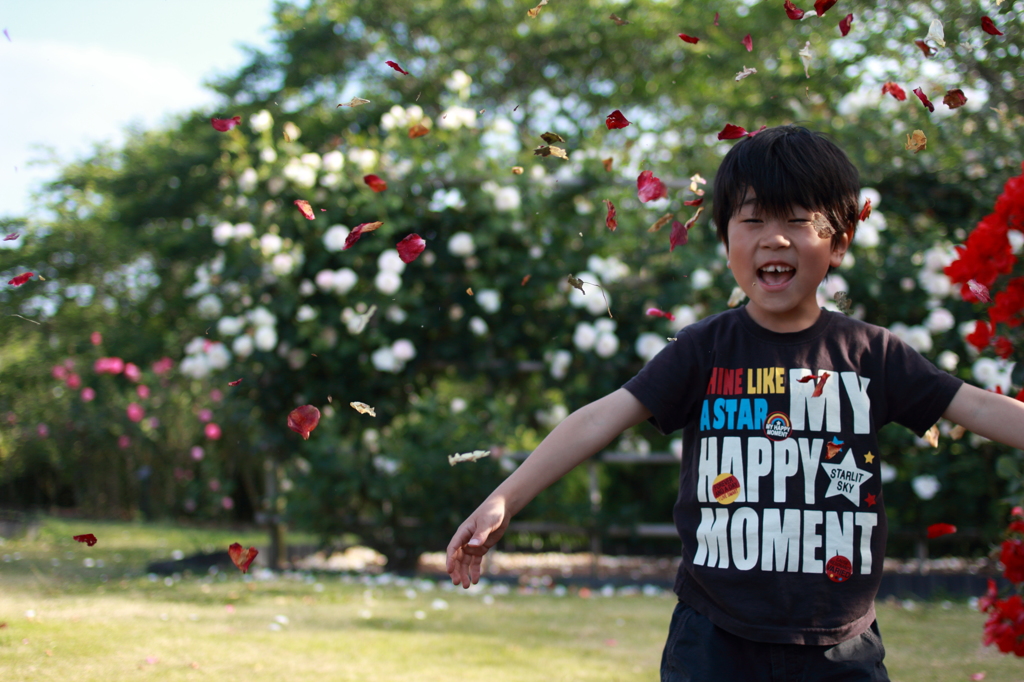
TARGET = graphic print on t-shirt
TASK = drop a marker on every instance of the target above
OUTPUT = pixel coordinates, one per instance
(781, 482)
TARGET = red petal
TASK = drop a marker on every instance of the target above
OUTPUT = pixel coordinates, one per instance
(925, 47)
(616, 120)
(689, 39)
(988, 27)
(822, 6)
(225, 124)
(12, 236)
(649, 188)
(410, 248)
(924, 99)
(866, 211)
(306, 209)
(357, 232)
(896, 91)
(939, 529)
(396, 67)
(748, 43)
(955, 98)
(654, 312)
(242, 557)
(694, 202)
(88, 539)
(303, 419)
(792, 12)
(680, 235)
(731, 132)
(755, 132)
(20, 279)
(418, 130)
(235, 382)
(375, 183)
(609, 220)
(716, 18)
(844, 24)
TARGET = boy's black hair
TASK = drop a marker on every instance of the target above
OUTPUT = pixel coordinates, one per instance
(788, 165)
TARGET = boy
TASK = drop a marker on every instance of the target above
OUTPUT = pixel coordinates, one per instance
(780, 507)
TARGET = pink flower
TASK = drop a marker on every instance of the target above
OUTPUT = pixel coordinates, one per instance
(59, 372)
(197, 453)
(74, 382)
(163, 365)
(132, 371)
(214, 484)
(88, 395)
(205, 415)
(227, 503)
(135, 412)
(109, 366)
(96, 338)
(124, 442)
(142, 390)
(212, 431)
(216, 395)
(154, 423)
(189, 505)
(43, 430)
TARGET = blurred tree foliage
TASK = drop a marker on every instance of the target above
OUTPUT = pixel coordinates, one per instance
(161, 241)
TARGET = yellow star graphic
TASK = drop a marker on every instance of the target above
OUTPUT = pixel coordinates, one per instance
(869, 458)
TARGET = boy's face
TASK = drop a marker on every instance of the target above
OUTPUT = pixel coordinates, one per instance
(784, 300)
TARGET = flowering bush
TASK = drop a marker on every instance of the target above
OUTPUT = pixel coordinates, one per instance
(1005, 624)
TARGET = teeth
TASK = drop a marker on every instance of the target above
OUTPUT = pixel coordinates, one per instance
(777, 268)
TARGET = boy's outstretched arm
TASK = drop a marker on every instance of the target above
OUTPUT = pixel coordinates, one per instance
(988, 414)
(580, 435)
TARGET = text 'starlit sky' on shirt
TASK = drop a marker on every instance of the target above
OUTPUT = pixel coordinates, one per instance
(76, 72)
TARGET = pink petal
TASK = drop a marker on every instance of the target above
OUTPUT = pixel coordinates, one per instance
(678, 236)
(654, 312)
(609, 220)
(11, 237)
(924, 99)
(225, 124)
(21, 279)
(731, 132)
(845, 23)
(303, 419)
(396, 67)
(306, 209)
(410, 248)
(649, 188)
(748, 43)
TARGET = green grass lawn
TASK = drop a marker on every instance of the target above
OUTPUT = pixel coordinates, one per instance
(90, 613)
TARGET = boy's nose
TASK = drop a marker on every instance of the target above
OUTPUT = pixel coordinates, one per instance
(774, 235)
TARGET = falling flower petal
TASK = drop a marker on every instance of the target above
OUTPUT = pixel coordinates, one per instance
(988, 27)
(936, 33)
(468, 457)
(410, 248)
(225, 124)
(979, 290)
(649, 188)
(955, 98)
(924, 99)
(745, 72)
(358, 231)
(375, 182)
(819, 382)
(690, 39)
(896, 91)
(654, 312)
(526, 279)
(845, 23)
(916, 142)
(681, 231)
(925, 48)
(363, 408)
(235, 382)
(620, 22)
(843, 301)
(418, 130)
(532, 13)
(551, 150)
(242, 557)
(931, 436)
(306, 209)
(396, 67)
(11, 237)
(609, 220)
(792, 12)
(732, 132)
(88, 539)
(616, 120)
(354, 102)
(694, 202)
(21, 279)
(866, 211)
(517, 170)
(748, 43)
(806, 56)
(939, 529)
(607, 164)
(303, 419)
(660, 223)
(822, 6)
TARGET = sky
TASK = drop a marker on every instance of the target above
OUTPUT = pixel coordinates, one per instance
(78, 72)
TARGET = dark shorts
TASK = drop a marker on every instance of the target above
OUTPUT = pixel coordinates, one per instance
(697, 650)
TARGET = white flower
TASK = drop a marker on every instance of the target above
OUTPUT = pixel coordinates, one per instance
(507, 199)
(366, 159)
(299, 173)
(270, 244)
(607, 345)
(937, 284)
(195, 366)
(700, 279)
(442, 199)
(209, 307)
(605, 326)
(387, 282)
(459, 83)
(917, 337)
(344, 280)
(888, 472)
(939, 320)
(992, 373)
(247, 180)
(456, 117)
(458, 405)
(292, 131)
(948, 360)
(266, 338)
(244, 231)
(242, 346)
(334, 238)
(925, 486)
(261, 317)
(305, 313)
(685, 316)
(333, 161)
(585, 336)
(386, 465)
(325, 280)
(390, 261)
(268, 155)
(461, 244)
(306, 288)
(395, 314)
(282, 264)
(230, 326)
(331, 180)
(1016, 241)
(311, 159)
(218, 356)
(560, 361)
(384, 360)
(477, 326)
(403, 350)
(222, 233)
(195, 346)
(866, 236)
(649, 344)
(261, 121)
(489, 300)
(553, 416)
(675, 446)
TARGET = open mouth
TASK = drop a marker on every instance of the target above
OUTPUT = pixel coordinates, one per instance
(774, 275)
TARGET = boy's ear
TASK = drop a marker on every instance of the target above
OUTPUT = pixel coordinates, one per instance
(841, 246)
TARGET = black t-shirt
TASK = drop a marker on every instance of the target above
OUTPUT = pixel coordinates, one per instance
(780, 507)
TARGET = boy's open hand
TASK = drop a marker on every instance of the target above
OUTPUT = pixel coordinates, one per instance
(475, 536)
